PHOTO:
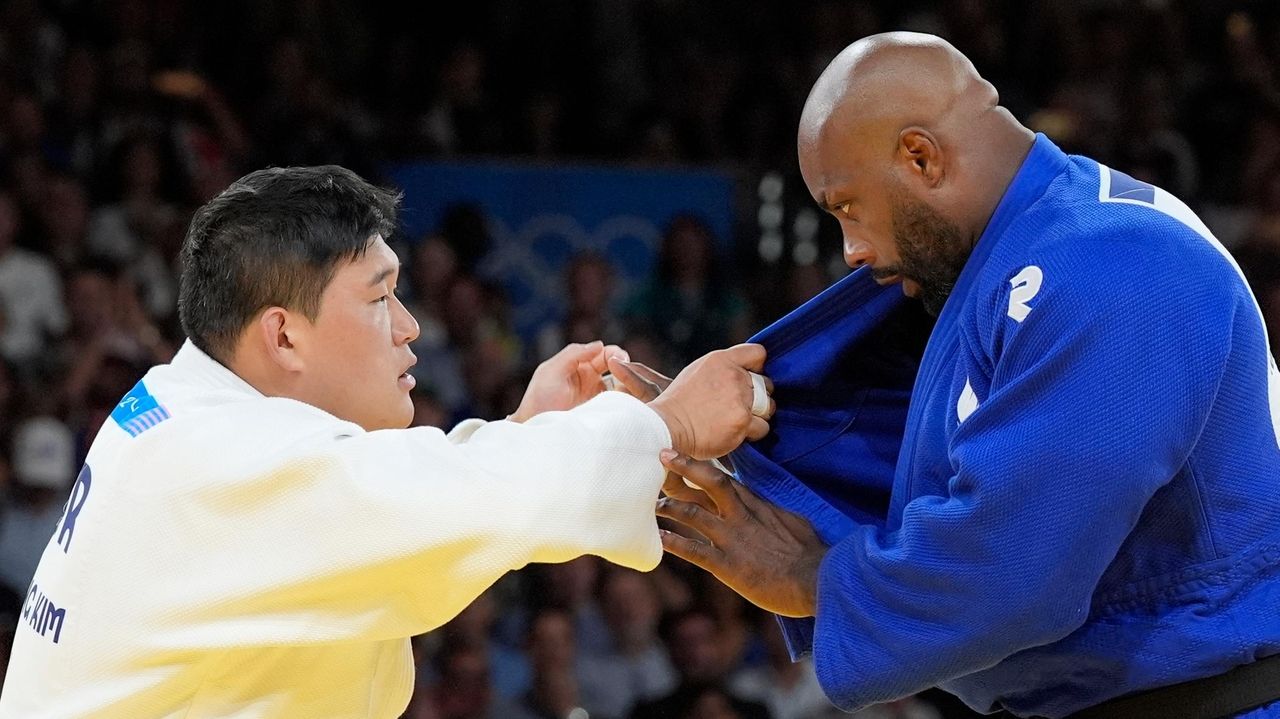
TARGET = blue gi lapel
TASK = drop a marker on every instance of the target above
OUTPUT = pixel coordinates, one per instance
(844, 367)
(1044, 162)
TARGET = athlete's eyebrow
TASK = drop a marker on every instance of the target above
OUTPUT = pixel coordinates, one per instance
(383, 274)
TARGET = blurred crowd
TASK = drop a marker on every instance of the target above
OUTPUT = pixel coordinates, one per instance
(118, 118)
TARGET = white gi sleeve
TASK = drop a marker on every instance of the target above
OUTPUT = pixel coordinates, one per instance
(391, 533)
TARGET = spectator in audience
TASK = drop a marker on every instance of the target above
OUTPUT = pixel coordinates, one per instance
(433, 270)
(464, 686)
(635, 667)
(43, 469)
(570, 586)
(736, 630)
(108, 321)
(588, 283)
(123, 229)
(554, 692)
(790, 689)
(692, 642)
(64, 221)
(474, 627)
(688, 302)
(30, 292)
(74, 116)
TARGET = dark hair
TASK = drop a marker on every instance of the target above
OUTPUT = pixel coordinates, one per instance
(274, 238)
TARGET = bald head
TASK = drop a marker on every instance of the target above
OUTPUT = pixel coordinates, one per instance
(896, 79)
(904, 142)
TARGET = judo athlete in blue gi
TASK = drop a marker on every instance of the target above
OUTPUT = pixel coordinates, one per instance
(1069, 503)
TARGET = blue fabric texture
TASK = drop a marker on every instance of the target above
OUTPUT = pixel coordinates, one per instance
(1078, 497)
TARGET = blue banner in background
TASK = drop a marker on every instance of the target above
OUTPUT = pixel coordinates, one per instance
(539, 217)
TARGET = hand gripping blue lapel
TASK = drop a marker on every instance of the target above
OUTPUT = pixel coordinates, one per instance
(843, 365)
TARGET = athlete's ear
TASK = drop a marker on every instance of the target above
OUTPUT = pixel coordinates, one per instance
(921, 156)
(278, 330)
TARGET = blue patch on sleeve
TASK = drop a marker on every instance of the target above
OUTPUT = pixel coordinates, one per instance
(1124, 187)
(139, 411)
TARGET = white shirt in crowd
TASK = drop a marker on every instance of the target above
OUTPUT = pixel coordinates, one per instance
(31, 302)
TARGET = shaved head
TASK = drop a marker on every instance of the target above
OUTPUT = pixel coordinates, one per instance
(907, 145)
(894, 80)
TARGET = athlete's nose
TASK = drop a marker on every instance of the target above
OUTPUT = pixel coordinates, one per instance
(858, 253)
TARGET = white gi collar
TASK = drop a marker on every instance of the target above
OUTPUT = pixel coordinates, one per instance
(197, 365)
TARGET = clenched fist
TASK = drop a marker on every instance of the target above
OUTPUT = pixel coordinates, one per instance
(707, 407)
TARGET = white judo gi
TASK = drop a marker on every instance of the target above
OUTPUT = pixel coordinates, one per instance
(226, 554)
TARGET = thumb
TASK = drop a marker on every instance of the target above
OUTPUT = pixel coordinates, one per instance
(631, 382)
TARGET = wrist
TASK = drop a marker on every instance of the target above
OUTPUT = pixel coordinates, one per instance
(807, 584)
(675, 428)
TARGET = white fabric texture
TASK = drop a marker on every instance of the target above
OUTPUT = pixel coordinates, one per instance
(251, 556)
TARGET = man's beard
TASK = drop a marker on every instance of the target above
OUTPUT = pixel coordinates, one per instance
(932, 251)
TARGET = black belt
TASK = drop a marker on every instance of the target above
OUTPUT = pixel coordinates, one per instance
(1246, 687)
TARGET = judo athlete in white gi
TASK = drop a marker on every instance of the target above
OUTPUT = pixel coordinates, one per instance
(1084, 515)
(255, 534)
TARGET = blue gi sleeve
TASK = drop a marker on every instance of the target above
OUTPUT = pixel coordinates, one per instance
(1096, 397)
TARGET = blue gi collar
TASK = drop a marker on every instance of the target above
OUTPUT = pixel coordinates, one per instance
(1043, 163)
(844, 365)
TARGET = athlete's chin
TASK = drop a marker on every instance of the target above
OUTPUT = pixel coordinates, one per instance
(910, 288)
(396, 414)
(404, 417)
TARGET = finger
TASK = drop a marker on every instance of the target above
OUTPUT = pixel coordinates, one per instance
(694, 517)
(748, 356)
(760, 510)
(654, 376)
(760, 399)
(798, 526)
(673, 485)
(590, 382)
(758, 429)
(768, 384)
(577, 352)
(600, 360)
(697, 553)
(717, 484)
(632, 383)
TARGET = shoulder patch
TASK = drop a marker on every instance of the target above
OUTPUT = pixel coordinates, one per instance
(1025, 286)
(139, 411)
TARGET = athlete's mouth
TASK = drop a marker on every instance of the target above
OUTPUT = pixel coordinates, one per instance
(405, 376)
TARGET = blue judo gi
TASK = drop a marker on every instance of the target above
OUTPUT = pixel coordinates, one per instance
(1073, 494)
